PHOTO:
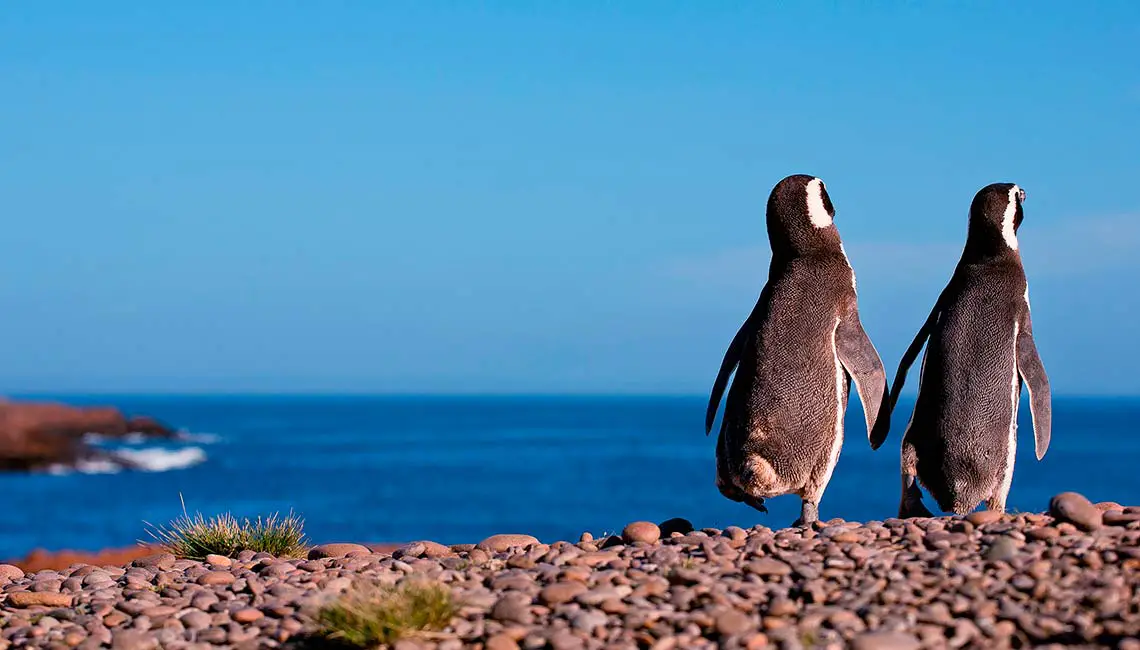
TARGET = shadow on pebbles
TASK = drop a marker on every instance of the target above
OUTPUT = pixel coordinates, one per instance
(1064, 579)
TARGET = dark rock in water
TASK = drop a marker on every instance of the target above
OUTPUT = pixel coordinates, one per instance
(39, 435)
(675, 525)
(1077, 510)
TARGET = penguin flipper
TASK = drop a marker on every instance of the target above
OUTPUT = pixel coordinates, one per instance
(1032, 372)
(862, 363)
(912, 352)
(731, 359)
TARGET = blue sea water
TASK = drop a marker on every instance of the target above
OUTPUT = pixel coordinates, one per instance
(456, 469)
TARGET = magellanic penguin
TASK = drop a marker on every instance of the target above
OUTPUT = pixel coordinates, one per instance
(961, 440)
(797, 353)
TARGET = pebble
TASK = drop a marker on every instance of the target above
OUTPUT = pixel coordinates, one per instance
(732, 622)
(768, 567)
(247, 615)
(501, 642)
(589, 620)
(38, 599)
(9, 572)
(561, 592)
(160, 561)
(675, 525)
(641, 531)
(1003, 549)
(512, 608)
(215, 578)
(1077, 510)
(196, 619)
(1042, 534)
(436, 550)
(885, 641)
(983, 517)
(336, 550)
(501, 543)
(1120, 518)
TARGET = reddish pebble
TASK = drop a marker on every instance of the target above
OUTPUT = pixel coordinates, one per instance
(38, 599)
(641, 531)
(983, 517)
(215, 578)
(337, 550)
(500, 543)
(247, 615)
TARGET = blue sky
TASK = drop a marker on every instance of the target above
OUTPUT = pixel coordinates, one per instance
(539, 197)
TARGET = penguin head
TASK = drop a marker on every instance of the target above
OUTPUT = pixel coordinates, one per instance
(801, 218)
(995, 216)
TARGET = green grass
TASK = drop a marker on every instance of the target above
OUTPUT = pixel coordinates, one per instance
(371, 615)
(196, 537)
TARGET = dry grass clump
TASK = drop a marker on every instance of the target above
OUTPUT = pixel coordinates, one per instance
(370, 615)
(196, 537)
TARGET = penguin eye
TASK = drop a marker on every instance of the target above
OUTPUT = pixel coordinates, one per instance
(1021, 195)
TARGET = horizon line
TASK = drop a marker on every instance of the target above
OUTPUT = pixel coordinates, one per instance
(37, 393)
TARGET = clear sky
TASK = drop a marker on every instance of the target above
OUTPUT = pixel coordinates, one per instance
(539, 197)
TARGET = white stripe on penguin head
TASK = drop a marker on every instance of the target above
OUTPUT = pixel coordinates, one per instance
(1007, 232)
(817, 213)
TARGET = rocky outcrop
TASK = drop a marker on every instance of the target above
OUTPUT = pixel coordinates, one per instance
(39, 435)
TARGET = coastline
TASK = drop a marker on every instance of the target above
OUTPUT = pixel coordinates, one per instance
(1069, 577)
(40, 559)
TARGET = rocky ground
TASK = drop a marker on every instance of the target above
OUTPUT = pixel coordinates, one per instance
(1069, 578)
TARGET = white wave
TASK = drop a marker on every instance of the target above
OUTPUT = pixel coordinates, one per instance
(161, 460)
(87, 466)
(151, 459)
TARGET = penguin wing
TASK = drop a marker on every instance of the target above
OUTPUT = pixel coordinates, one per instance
(862, 363)
(915, 347)
(1033, 374)
(732, 357)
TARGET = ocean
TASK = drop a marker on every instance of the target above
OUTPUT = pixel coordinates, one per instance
(457, 469)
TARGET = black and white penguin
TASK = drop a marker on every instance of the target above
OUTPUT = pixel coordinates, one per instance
(795, 357)
(961, 440)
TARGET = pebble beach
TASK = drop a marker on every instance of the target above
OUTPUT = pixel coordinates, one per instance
(1066, 578)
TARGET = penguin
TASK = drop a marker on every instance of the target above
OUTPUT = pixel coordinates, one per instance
(794, 358)
(961, 440)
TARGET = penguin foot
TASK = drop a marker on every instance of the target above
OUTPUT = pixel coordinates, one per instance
(809, 514)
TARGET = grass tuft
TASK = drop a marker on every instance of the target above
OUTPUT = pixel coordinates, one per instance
(194, 538)
(370, 615)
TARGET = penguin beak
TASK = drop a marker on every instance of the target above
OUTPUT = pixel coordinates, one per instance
(1021, 195)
